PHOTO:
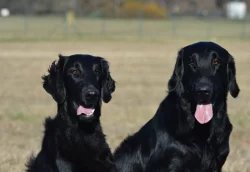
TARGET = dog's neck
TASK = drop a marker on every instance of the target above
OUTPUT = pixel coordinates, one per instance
(69, 118)
(85, 140)
(183, 123)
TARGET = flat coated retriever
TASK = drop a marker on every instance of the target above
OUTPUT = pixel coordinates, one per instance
(73, 140)
(190, 130)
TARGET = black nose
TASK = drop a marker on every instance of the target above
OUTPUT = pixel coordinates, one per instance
(203, 93)
(89, 95)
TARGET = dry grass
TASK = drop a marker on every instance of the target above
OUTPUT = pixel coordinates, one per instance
(141, 71)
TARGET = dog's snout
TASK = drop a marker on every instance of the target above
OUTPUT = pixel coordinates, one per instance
(203, 93)
(90, 94)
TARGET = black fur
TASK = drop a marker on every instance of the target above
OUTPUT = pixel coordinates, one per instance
(173, 140)
(76, 143)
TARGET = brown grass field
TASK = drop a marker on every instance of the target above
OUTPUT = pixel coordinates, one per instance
(141, 69)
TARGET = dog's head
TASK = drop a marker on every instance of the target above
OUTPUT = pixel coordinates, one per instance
(203, 74)
(81, 81)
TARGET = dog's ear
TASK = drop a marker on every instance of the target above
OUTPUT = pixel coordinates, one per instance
(108, 84)
(231, 73)
(53, 82)
(175, 82)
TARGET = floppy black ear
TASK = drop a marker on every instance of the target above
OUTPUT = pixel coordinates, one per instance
(53, 82)
(175, 82)
(108, 84)
(231, 73)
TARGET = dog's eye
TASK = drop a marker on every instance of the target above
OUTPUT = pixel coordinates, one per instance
(97, 73)
(192, 65)
(75, 73)
(216, 61)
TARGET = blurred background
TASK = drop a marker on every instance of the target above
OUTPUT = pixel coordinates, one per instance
(55, 19)
(140, 39)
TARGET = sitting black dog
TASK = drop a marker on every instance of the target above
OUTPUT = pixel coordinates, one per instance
(73, 140)
(190, 130)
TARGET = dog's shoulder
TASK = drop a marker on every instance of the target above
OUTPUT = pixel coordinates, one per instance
(136, 148)
(39, 163)
(48, 143)
(30, 163)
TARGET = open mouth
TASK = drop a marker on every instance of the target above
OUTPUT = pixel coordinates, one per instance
(81, 110)
(204, 113)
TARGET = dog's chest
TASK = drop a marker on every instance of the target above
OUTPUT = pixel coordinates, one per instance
(201, 157)
(80, 151)
(63, 165)
(79, 142)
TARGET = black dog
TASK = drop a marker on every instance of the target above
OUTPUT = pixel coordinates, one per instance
(73, 140)
(190, 131)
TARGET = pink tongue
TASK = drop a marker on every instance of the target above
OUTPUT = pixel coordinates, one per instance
(204, 113)
(83, 110)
